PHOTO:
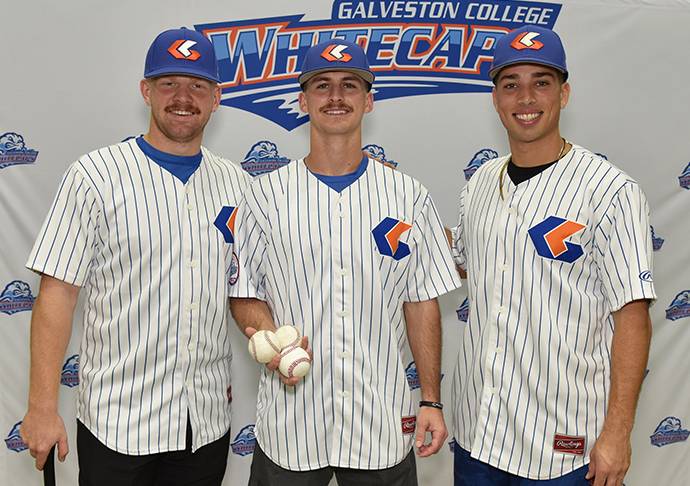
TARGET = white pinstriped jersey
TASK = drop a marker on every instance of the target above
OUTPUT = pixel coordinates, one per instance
(546, 267)
(154, 271)
(312, 253)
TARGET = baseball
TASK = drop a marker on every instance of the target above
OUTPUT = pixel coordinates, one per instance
(288, 336)
(294, 362)
(263, 346)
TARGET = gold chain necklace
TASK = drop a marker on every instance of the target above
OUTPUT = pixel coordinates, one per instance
(504, 167)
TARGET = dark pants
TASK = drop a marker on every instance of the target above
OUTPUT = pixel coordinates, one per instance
(472, 472)
(100, 466)
(266, 473)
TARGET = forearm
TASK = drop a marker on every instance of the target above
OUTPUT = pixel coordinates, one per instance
(253, 313)
(51, 327)
(423, 323)
(629, 353)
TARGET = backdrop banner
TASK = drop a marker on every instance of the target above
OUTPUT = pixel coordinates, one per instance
(71, 84)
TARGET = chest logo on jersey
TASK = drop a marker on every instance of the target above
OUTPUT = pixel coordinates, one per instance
(387, 237)
(549, 238)
(225, 222)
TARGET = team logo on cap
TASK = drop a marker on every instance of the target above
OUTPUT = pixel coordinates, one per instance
(336, 52)
(387, 237)
(70, 372)
(680, 307)
(13, 150)
(14, 441)
(478, 160)
(244, 443)
(377, 152)
(549, 238)
(263, 158)
(182, 49)
(527, 41)
(16, 297)
(225, 222)
(669, 431)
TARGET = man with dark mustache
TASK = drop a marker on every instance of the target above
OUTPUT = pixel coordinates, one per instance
(353, 254)
(143, 227)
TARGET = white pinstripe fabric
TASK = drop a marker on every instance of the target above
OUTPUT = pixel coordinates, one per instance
(309, 252)
(154, 272)
(535, 357)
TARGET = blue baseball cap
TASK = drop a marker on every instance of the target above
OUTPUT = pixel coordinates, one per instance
(529, 44)
(335, 55)
(182, 51)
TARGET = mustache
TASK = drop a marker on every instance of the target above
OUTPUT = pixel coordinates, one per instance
(336, 106)
(181, 107)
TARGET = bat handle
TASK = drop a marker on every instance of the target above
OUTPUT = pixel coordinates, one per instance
(49, 469)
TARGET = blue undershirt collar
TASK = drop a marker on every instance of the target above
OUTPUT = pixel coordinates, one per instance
(181, 166)
(341, 182)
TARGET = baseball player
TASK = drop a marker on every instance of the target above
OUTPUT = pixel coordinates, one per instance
(353, 253)
(555, 242)
(141, 227)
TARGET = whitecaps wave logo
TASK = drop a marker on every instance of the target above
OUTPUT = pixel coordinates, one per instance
(262, 158)
(13, 150)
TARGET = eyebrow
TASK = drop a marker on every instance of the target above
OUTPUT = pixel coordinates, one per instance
(537, 75)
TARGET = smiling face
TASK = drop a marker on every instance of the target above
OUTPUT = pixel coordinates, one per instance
(336, 102)
(529, 98)
(180, 109)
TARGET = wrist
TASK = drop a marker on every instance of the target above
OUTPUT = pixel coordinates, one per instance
(431, 404)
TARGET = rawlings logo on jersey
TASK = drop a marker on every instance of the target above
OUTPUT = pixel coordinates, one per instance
(377, 152)
(478, 160)
(669, 431)
(70, 372)
(549, 238)
(244, 442)
(387, 237)
(414, 47)
(569, 444)
(680, 307)
(263, 158)
(13, 150)
(14, 441)
(684, 178)
(225, 222)
(16, 297)
(657, 241)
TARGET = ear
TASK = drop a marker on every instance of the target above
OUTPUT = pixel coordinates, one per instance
(565, 94)
(369, 103)
(216, 97)
(493, 98)
(303, 102)
(145, 89)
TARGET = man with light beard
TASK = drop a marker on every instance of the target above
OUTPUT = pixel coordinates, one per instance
(144, 227)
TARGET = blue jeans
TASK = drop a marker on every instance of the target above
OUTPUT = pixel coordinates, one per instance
(472, 472)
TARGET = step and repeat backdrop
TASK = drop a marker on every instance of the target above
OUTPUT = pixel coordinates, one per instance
(70, 84)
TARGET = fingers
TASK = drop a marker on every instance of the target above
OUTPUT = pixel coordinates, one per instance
(63, 449)
(249, 331)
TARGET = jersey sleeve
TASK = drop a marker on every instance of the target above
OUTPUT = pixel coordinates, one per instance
(458, 233)
(65, 245)
(624, 248)
(431, 271)
(250, 248)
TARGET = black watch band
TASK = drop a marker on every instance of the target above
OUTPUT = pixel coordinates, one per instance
(426, 403)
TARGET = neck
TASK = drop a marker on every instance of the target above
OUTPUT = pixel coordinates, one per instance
(538, 152)
(334, 155)
(160, 142)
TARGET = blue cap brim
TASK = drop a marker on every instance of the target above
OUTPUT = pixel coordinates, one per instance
(495, 70)
(365, 75)
(180, 71)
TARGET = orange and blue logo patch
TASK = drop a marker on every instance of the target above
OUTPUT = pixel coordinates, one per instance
(527, 41)
(225, 222)
(549, 238)
(182, 49)
(336, 52)
(387, 237)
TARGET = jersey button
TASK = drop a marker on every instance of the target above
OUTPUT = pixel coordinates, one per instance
(345, 394)
(343, 313)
